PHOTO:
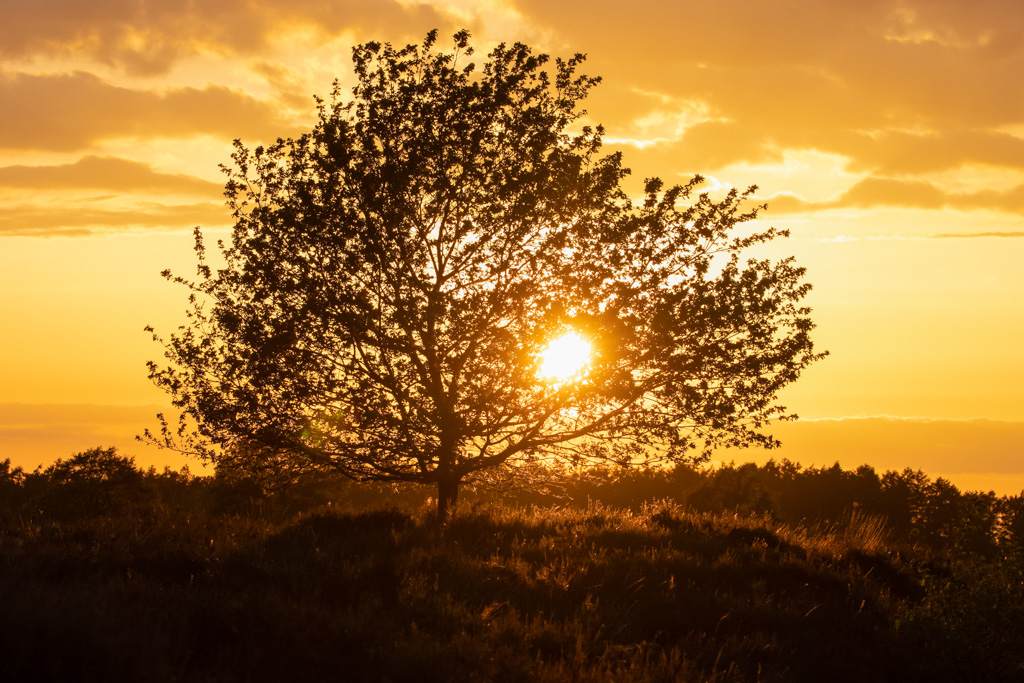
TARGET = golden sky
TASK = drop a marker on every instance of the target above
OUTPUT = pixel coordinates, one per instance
(888, 136)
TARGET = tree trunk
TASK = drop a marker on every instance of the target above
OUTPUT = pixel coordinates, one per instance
(447, 496)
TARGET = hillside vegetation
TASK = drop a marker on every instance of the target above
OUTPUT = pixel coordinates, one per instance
(772, 573)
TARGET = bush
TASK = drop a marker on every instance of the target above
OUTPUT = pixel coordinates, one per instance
(971, 621)
(94, 482)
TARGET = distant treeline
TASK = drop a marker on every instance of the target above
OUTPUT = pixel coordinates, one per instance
(913, 508)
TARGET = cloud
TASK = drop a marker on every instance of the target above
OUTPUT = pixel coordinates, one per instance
(834, 57)
(714, 144)
(82, 219)
(897, 86)
(899, 152)
(873, 192)
(287, 83)
(889, 192)
(919, 194)
(104, 173)
(148, 36)
(73, 111)
(970, 235)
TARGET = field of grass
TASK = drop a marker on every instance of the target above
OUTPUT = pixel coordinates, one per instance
(132, 588)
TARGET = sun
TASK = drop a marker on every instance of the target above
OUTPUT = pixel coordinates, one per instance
(565, 358)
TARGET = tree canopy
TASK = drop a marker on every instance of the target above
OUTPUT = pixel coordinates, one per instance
(394, 275)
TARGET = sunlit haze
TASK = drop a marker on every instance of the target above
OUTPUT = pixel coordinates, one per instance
(565, 357)
(887, 137)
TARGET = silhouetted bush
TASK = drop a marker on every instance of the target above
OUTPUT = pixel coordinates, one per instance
(970, 622)
(94, 482)
(1010, 524)
(13, 494)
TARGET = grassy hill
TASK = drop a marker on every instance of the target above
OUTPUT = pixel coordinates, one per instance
(113, 583)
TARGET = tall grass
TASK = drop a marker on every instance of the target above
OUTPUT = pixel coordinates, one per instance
(498, 593)
(166, 577)
(857, 532)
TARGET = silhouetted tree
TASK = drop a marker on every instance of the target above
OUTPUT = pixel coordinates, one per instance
(1010, 524)
(12, 481)
(394, 274)
(93, 465)
(94, 481)
(739, 490)
(976, 529)
(906, 497)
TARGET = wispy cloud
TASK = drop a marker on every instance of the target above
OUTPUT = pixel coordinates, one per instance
(875, 192)
(912, 419)
(149, 36)
(104, 173)
(972, 235)
(36, 220)
(896, 87)
(70, 112)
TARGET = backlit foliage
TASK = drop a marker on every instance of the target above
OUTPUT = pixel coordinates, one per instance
(394, 274)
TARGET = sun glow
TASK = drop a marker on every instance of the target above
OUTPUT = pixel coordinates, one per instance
(565, 358)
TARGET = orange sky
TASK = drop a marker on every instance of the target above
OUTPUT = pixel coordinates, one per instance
(888, 136)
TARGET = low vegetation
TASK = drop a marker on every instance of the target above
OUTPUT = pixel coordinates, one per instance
(771, 573)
